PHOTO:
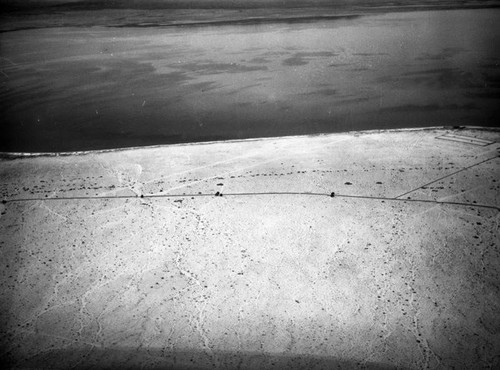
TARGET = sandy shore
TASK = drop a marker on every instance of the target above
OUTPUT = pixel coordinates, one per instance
(127, 259)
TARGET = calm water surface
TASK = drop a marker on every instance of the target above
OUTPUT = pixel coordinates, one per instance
(66, 89)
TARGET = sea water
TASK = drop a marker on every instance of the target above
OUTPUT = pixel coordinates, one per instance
(68, 88)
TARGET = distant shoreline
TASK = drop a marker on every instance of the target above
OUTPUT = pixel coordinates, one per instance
(244, 21)
(70, 15)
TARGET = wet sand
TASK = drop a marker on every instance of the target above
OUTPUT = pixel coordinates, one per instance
(128, 259)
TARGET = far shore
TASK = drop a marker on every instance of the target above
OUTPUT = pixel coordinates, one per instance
(19, 17)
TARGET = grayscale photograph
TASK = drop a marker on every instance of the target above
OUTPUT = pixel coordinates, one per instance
(249, 184)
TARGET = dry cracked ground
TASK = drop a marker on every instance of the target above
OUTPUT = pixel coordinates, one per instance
(127, 259)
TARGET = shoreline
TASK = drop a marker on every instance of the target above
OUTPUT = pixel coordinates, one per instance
(204, 17)
(18, 155)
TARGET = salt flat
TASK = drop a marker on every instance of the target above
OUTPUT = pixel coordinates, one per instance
(128, 259)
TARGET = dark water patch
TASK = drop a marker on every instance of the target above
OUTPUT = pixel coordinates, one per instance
(354, 99)
(359, 69)
(370, 54)
(294, 61)
(445, 53)
(339, 64)
(123, 104)
(23, 29)
(241, 89)
(303, 58)
(490, 63)
(494, 65)
(431, 71)
(439, 78)
(428, 107)
(259, 60)
(325, 92)
(275, 53)
(315, 54)
(209, 68)
(483, 95)
(241, 21)
(56, 86)
(491, 80)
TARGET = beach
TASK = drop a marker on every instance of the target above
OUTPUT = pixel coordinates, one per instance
(249, 187)
(373, 250)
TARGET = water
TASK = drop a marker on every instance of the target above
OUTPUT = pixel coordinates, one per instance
(67, 89)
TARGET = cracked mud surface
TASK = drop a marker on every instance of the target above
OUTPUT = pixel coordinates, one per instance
(254, 281)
